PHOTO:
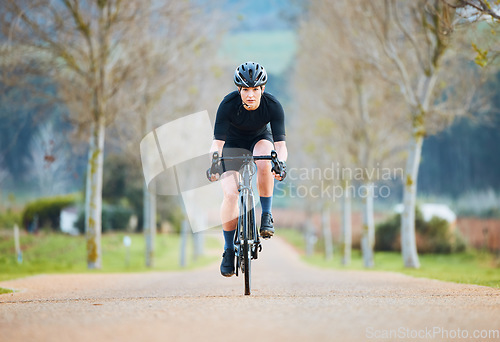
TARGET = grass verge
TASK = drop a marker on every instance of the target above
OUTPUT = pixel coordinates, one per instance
(470, 267)
(58, 253)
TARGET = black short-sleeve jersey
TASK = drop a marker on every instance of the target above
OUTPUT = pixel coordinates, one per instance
(234, 121)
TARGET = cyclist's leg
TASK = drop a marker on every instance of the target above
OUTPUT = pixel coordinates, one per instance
(229, 182)
(265, 179)
(265, 185)
(229, 207)
(229, 217)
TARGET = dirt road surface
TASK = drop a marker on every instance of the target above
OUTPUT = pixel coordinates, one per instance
(290, 302)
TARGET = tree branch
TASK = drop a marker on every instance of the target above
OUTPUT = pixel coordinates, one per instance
(410, 38)
(483, 6)
(389, 50)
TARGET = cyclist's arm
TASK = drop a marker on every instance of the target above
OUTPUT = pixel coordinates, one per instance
(217, 146)
(220, 128)
(277, 123)
(281, 149)
(278, 128)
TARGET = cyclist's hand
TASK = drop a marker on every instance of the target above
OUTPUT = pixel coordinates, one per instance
(279, 171)
(213, 177)
(215, 171)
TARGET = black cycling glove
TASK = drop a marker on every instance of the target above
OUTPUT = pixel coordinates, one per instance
(216, 167)
(280, 169)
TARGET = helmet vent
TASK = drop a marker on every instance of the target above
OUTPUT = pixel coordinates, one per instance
(242, 78)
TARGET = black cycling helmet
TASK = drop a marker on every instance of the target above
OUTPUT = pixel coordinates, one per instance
(249, 75)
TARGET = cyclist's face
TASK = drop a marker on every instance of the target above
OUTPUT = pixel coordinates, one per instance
(251, 96)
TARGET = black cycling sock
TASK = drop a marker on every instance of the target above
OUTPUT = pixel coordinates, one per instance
(229, 239)
(266, 203)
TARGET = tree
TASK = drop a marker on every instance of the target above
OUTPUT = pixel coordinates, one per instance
(478, 11)
(358, 120)
(416, 37)
(82, 45)
(169, 65)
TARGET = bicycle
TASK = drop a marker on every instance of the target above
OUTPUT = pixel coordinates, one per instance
(246, 239)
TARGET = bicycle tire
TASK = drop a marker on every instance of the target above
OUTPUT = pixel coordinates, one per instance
(247, 259)
(248, 269)
(254, 236)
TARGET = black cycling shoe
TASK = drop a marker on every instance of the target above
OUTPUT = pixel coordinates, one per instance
(227, 264)
(266, 226)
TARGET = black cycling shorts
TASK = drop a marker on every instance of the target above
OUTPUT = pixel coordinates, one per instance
(234, 147)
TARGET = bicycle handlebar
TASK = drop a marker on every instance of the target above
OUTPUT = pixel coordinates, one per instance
(279, 167)
(273, 157)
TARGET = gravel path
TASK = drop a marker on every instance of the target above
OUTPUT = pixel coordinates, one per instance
(290, 302)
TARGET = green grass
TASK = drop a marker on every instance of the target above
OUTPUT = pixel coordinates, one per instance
(58, 253)
(470, 267)
(274, 49)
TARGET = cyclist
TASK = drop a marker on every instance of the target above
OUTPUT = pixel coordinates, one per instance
(252, 121)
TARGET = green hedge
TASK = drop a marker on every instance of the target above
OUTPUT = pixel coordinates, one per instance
(387, 234)
(434, 236)
(47, 210)
(114, 218)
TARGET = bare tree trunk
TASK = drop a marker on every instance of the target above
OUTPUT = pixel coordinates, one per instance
(184, 236)
(149, 224)
(98, 85)
(93, 199)
(199, 237)
(310, 235)
(408, 240)
(346, 244)
(198, 242)
(327, 232)
(149, 207)
(368, 237)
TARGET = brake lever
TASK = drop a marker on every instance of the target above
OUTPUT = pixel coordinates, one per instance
(215, 158)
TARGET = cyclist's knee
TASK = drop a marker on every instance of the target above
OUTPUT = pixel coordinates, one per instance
(230, 190)
(262, 147)
(263, 167)
(231, 195)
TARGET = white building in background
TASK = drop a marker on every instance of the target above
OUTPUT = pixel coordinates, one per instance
(429, 210)
(68, 219)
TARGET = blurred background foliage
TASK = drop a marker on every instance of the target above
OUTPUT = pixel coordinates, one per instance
(459, 164)
(433, 236)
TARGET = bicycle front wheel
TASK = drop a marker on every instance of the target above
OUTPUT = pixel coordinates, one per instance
(246, 247)
(248, 267)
